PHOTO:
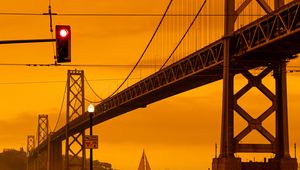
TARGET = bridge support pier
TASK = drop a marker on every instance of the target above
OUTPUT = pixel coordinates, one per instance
(56, 155)
(283, 163)
(42, 160)
(31, 163)
(227, 163)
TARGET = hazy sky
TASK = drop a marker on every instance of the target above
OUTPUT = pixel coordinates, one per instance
(178, 133)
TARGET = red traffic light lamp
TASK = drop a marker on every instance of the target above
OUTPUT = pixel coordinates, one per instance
(63, 32)
(63, 43)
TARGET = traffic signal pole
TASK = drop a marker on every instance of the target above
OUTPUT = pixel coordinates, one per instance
(91, 133)
(63, 43)
(26, 41)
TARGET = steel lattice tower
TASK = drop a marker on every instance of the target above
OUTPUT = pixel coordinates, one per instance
(30, 143)
(30, 148)
(230, 144)
(43, 130)
(75, 108)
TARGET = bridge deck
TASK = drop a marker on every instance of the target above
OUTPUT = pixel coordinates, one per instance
(270, 38)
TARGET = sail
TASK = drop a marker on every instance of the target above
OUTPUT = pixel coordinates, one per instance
(144, 164)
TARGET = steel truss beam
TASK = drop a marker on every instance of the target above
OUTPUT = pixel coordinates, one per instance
(202, 60)
(75, 151)
(266, 30)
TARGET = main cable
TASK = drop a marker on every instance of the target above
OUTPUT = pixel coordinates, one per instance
(92, 91)
(61, 107)
(182, 38)
(156, 30)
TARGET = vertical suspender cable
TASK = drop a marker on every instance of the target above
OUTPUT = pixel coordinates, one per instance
(184, 34)
(154, 34)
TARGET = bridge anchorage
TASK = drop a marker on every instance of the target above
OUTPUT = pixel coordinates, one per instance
(246, 39)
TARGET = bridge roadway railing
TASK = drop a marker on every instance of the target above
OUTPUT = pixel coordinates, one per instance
(275, 36)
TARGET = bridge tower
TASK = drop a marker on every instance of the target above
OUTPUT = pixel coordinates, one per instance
(42, 128)
(30, 148)
(230, 144)
(42, 136)
(75, 108)
(30, 143)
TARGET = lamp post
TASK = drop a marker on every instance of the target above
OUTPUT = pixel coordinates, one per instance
(91, 110)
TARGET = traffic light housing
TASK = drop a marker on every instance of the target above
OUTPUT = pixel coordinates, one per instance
(63, 43)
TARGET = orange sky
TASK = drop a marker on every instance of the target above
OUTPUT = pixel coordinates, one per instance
(177, 133)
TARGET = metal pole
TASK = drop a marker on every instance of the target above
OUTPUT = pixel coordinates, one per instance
(26, 41)
(49, 152)
(91, 134)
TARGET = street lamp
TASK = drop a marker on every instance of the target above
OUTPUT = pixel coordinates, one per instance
(91, 110)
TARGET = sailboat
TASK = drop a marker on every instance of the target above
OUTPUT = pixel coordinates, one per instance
(144, 164)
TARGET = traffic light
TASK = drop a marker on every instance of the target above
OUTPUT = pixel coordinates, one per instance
(63, 43)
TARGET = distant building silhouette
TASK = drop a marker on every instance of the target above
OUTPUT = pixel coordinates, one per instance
(144, 164)
(11, 159)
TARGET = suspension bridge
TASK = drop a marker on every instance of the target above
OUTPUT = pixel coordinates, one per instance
(267, 42)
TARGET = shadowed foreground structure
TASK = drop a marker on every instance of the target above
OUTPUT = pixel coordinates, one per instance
(11, 159)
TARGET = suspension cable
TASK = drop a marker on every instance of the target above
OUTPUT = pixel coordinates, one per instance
(183, 35)
(93, 92)
(156, 30)
(61, 107)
